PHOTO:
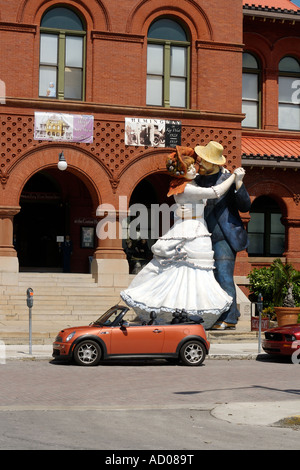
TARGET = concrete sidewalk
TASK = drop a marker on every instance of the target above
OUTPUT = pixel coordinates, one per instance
(237, 350)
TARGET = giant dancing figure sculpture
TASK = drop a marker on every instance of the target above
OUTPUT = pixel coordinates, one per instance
(180, 276)
(223, 222)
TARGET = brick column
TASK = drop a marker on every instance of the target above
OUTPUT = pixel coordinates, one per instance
(9, 264)
(110, 267)
(270, 105)
(292, 231)
(242, 267)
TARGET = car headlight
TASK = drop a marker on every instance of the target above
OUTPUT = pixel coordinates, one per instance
(70, 336)
(290, 337)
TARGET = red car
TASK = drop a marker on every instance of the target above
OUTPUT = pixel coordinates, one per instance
(282, 340)
(111, 336)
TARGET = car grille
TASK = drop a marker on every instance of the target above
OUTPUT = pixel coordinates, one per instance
(272, 350)
(273, 336)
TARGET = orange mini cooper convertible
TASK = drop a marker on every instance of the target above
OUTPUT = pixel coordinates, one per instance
(113, 337)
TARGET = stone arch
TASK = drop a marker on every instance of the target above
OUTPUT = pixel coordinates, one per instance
(80, 162)
(188, 11)
(152, 161)
(288, 46)
(260, 47)
(31, 11)
(279, 192)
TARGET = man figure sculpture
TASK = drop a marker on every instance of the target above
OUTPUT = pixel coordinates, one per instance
(224, 223)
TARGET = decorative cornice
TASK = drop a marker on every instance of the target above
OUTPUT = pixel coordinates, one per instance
(271, 161)
(137, 111)
(219, 46)
(277, 158)
(291, 222)
(9, 211)
(271, 12)
(18, 28)
(109, 36)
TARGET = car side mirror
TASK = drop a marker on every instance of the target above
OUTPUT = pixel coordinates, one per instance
(123, 324)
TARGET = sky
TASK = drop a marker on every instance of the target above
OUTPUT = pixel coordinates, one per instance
(296, 2)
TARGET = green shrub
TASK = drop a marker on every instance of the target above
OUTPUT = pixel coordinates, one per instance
(275, 283)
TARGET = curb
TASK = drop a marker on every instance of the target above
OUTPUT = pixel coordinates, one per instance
(21, 355)
(233, 356)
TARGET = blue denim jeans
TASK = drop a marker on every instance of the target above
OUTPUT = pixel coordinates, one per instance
(224, 268)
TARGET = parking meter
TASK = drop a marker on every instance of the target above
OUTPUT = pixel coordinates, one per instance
(30, 305)
(29, 297)
(260, 303)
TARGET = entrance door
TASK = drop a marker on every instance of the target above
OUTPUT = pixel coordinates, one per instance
(38, 223)
(54, 204)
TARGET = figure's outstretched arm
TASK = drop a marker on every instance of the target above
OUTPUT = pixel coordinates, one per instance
(214, 192)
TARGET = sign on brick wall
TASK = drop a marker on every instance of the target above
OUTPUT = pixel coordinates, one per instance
(152, 132)
(60, 127)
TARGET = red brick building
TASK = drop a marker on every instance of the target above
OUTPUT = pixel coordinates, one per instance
(135, 68)
(271, 131)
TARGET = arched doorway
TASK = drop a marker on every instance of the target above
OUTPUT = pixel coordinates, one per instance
(54, 205)
(145, 226)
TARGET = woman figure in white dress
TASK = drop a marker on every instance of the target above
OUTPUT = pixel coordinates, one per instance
(180, 276)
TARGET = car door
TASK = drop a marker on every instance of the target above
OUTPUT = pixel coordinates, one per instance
(143, 339)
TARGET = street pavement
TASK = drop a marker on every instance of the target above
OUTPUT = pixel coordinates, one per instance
(254, 412)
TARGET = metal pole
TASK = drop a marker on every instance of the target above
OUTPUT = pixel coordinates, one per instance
(259, 331)
(29, 305)
(30, 330)
(260, 309)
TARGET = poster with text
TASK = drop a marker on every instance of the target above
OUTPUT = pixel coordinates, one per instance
(152, 132)
(59, 127)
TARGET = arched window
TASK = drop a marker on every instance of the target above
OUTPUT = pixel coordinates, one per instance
(251, 91)
(265, 230)
(289, 94)
(62, 55)
(167, 64)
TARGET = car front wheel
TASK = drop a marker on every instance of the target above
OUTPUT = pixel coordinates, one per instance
(192, 353)
(87, 353)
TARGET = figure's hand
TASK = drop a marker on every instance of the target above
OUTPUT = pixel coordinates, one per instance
(239, 171)
(239, 175)
(224, 170)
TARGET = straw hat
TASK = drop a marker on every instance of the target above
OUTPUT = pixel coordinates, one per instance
(175, 161)
(212, 153)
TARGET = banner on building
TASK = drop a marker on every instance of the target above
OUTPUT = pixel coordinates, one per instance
(152, 132)
(63, 127)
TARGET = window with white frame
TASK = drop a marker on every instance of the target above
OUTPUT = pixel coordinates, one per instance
(289, 94)
(167, 64)
(251, 90)
(62, 55)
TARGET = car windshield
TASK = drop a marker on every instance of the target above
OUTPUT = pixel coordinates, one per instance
(109, 317)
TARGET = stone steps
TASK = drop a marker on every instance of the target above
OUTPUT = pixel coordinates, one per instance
(66, 300)
(60, 300)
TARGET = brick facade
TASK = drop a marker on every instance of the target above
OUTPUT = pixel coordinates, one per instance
(115, 88)
(270, 35)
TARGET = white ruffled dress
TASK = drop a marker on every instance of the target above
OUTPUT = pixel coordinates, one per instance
(180, 275)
